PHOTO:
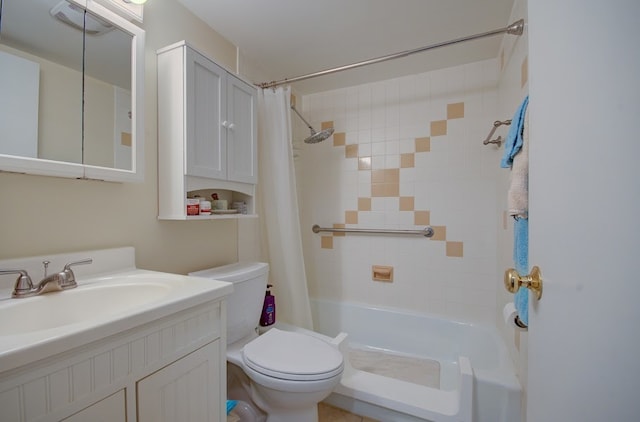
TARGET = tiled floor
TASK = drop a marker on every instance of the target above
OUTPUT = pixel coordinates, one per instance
(327, 413)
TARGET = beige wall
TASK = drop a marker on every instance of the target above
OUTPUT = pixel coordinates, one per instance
(43, 215)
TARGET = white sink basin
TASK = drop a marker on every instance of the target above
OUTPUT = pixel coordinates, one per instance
(37, 327)
(72, 306)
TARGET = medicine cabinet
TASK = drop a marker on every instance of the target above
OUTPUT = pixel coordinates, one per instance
(72, 78)
(207, 133)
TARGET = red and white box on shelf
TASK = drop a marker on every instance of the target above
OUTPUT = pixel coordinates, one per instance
(193, 206)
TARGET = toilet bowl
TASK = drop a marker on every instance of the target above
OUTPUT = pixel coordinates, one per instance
(289, 372)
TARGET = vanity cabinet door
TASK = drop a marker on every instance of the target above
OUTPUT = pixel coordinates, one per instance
(186, 390)
(110, 409)
(206, 117)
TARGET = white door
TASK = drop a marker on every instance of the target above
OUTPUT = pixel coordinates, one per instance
(584, 333)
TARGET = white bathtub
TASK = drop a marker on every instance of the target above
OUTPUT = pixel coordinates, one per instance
(477, 377)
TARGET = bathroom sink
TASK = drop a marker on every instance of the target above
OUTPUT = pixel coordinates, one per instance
(78, 305)
(37, 327)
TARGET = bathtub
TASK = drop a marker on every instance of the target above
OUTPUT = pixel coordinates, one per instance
(477, 377)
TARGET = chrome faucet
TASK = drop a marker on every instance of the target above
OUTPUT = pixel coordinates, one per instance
(63, 280)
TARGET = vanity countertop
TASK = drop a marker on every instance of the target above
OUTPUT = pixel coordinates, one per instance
(104, 304)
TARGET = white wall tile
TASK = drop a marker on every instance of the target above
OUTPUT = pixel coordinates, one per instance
(455, 181)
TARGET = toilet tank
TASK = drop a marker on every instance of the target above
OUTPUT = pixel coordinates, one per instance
(244, 305)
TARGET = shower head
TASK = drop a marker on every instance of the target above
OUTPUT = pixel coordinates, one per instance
(315, 137)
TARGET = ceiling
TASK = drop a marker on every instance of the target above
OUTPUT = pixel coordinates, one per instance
(289, 38)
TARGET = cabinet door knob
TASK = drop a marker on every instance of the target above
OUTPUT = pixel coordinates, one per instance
(232, 126)
(225, 123)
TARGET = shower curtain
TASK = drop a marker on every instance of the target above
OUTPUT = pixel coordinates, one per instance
(280, 225)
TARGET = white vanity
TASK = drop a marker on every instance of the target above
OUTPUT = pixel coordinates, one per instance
(125, 345)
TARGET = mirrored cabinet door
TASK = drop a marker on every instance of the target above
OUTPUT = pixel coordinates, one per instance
(41, 81)
(72, 77)
(107, 98)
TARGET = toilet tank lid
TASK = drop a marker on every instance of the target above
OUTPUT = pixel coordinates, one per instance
(239, 271)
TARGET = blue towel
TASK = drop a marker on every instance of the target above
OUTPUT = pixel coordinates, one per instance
(521, 259)
(513, 143)
(230, 405)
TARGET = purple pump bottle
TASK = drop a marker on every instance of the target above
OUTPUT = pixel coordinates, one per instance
(268, 316)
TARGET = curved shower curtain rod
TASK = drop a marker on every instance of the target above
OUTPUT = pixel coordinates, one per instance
(515, 28)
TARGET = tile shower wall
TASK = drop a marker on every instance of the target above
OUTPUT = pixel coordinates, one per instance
(406, 152)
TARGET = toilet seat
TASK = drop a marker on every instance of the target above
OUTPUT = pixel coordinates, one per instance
(292, 356)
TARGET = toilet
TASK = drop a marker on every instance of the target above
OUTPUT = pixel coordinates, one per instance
(289, 372)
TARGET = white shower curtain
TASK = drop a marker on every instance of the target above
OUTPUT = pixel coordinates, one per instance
(279, 207)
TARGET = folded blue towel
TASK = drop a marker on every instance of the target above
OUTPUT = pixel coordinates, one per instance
(230, 405)
(521, 259)
(513, 143)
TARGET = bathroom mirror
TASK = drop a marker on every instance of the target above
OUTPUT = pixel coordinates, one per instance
(72, 72)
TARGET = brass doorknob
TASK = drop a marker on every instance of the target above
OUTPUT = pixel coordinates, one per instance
(533, 281)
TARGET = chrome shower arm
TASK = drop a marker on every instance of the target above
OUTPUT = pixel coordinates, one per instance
(303, 119)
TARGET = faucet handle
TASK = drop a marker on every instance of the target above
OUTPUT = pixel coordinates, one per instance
(23, 284)
(69, 279)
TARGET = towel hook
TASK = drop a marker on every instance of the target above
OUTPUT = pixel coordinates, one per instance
(498, 140)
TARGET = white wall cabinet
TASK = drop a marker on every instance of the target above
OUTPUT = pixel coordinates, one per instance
(207, 132)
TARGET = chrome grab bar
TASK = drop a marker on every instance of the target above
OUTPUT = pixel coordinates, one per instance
(426, 232)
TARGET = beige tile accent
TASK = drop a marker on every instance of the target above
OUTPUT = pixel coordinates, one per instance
(406, 203)
(439, 233)
(364, 163)
(407, 160)
(455, 111)
(326, 242)
(351, 217)
(364, 204)
(392, 175)
(391, 189)
(351, 151)
(377, 189)
(438, 128)
(339, 226)
(339, 139)
(501, 59)
(423, 144)
(377, 176)
(385, 176)
(293, 100)
(385, 190)
(421, 218)
(326, 125)
(524, 71)
(454, 249)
